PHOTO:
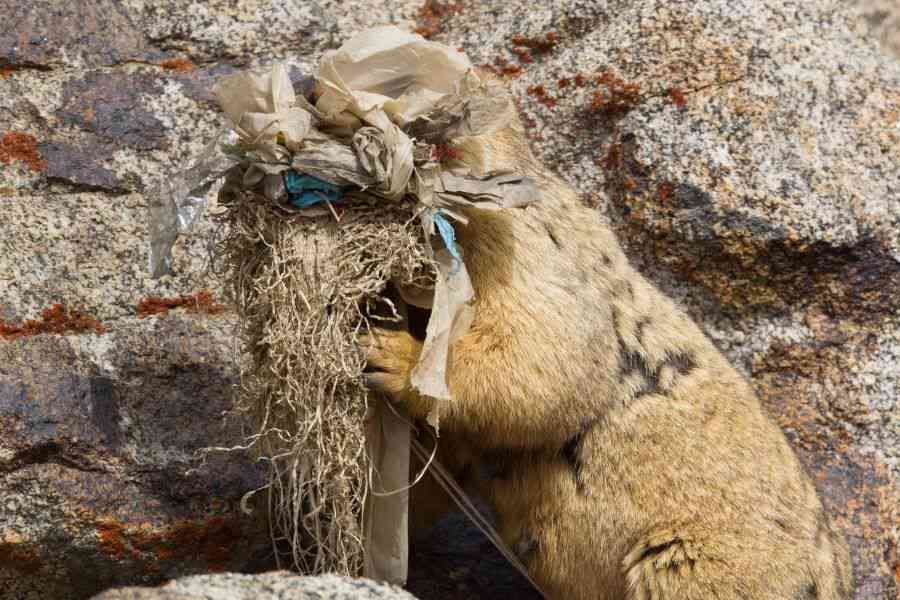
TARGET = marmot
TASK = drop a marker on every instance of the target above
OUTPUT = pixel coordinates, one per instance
(624, 456)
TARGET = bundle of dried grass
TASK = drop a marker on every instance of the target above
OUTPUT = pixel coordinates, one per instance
(304, 289)
(306, 283)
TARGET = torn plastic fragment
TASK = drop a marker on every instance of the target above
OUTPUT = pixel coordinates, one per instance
(306, 190)
(261, 107)
(445, 229)
(179, 201)
(386, 68)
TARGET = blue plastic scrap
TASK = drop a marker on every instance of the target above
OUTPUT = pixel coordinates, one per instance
(449, 236)
(306, 190)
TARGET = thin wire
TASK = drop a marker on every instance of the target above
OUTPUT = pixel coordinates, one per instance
(465, 504)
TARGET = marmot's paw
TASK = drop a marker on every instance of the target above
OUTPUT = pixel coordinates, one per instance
(391, 356)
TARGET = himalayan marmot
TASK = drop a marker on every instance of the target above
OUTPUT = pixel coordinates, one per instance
(624, 456)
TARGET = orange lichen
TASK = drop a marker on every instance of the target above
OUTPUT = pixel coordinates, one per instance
(432, 15)
(664, 190)
(56, 320)
(201, 302)
(179, 65)
(677, 97)
(23, 147)
(540, 93)
(210, 541)
(615, 97)
(563, 82)
(5, 72)
(112, 540)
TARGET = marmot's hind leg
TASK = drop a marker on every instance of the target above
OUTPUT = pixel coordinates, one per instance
(668, 566)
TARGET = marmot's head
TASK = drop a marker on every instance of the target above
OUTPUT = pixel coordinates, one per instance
(506, 149)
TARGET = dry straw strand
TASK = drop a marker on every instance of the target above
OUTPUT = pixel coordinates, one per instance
(304, 289)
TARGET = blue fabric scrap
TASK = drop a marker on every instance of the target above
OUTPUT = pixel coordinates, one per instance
(449, 236)
(306, 190)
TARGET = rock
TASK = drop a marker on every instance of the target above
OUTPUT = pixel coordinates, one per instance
(100, 482)
(268, 586)
(746, 153)
(881, 20)
(47, 34)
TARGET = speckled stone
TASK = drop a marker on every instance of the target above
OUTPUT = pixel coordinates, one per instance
(269, 586)
(745, 151)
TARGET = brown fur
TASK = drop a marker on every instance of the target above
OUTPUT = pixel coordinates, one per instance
(623, 454)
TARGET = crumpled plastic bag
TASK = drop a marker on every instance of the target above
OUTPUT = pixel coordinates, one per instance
(262, 110)
(400, 73)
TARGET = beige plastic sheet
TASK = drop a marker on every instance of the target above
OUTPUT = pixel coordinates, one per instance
(387, 505)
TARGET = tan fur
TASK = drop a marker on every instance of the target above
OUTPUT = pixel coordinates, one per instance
(623, 454)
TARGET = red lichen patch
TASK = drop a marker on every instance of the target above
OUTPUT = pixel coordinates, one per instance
(614, 97)
(23, 560)
(563, 82)
(23, 147)
(201, 302)
(613, 159)
(664, 191)
(537, 45)
(524, 55)
(5, 72)
(502, 66)
(580, 80)
(444, 152)
(676, 95)
(432, 15)
(540, 93)
(179, 65)
(56, 320)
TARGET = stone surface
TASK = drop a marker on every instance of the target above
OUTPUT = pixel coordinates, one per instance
(746, 152)
(268, 586)
(101, 480)
(881, 20)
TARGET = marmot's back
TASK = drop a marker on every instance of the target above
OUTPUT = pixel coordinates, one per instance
(624, 455)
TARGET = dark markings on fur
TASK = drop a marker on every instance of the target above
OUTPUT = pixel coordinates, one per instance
(463, 475)
(552, 236)
(781, 523)
(525, 547)
(571, 452)
(639, 329)
(683, 362)
(630, 289)
(659, 549)
(809, 592)
(633, 362)
(654, 551)
(495, 465)
(607, 261)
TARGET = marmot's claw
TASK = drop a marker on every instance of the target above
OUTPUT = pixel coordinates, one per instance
(391, 356)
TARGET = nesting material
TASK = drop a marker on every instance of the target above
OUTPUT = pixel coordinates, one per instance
(327, 199)
(304, 289)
